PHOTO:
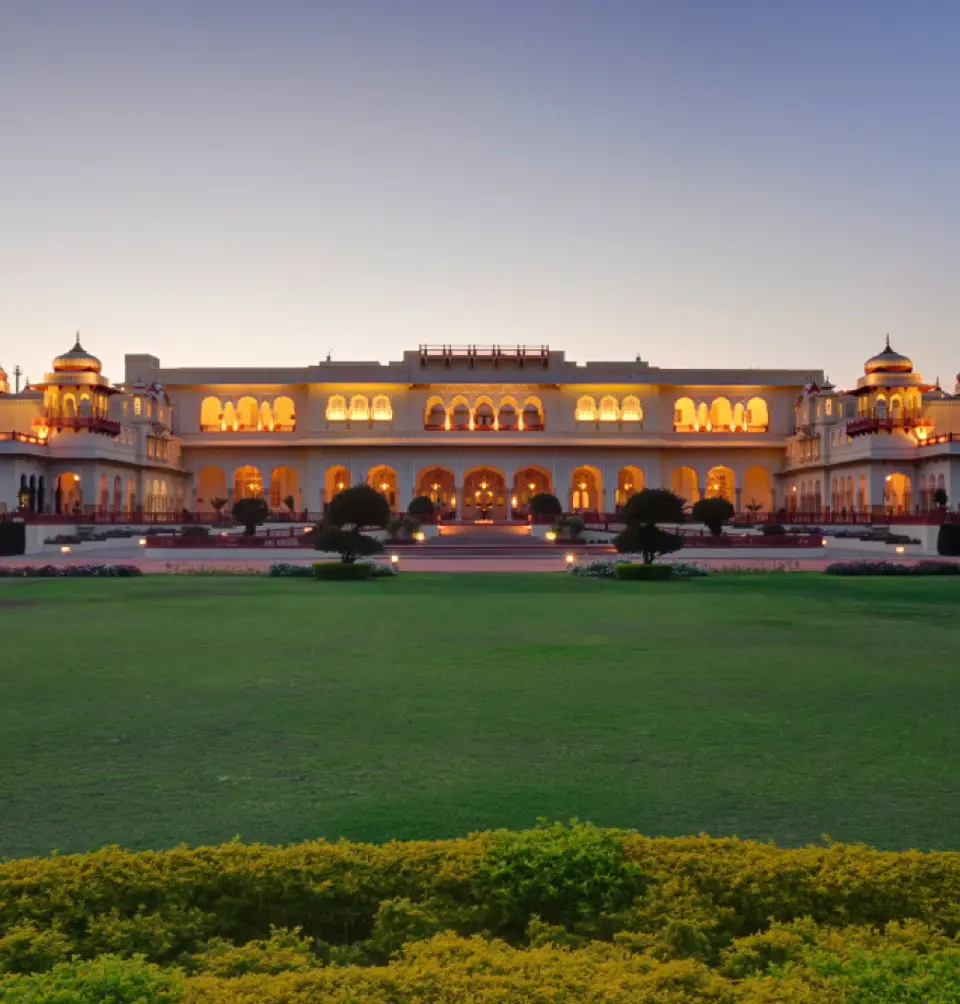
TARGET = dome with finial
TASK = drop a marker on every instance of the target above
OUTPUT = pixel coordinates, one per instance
(77, 360)
(889, 361)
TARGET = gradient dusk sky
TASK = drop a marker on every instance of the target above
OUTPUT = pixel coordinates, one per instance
(703, 182)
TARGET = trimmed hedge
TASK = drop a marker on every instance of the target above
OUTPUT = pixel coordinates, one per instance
(892, 568)
(337, 571)
(559, 913)
(642, 573)
(948, 540)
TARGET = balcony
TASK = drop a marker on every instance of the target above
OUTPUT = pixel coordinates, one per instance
(872, 424)
(90, 423)
(240, 427)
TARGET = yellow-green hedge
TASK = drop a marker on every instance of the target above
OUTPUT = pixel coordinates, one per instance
(497, 916)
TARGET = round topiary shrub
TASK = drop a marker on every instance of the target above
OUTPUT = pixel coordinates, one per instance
(545, 504)
(250, 513)
(421, 505)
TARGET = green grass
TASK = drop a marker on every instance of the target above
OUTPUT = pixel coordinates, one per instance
(165, 709)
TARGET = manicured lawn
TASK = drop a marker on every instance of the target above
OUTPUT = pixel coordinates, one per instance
(166, 709)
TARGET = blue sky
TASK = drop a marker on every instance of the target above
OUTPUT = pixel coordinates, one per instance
(738, 183)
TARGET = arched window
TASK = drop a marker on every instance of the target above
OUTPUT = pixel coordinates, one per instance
(230, 423)
(284, 414)
(248, 413)
(461, 416)
(684, 415)
(359, 408)
(533, 416)
(609, 412)
(631, 411)
(721, 415)
(758, 415)
(436, 416)
(483, 417)
(382, 409)
(507, 417)
(337, 408)
(137, 405)
(586, 409)
(881, 406)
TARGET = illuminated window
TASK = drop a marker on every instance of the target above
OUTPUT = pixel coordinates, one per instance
(586, 410)
(137, 406)
(608, 409)
(382, 410)
(632, 412)
(828, 405)
(359, 408)
(337, 408)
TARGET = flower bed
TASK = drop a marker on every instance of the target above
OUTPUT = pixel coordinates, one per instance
(69, 571)
(892, 568)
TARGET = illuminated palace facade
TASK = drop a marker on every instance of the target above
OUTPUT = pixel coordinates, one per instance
(477, 429)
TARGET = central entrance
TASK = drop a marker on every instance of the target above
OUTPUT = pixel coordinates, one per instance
(485, 494)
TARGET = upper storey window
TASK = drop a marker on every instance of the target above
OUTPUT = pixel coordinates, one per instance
(609, 412)
(721, 415)
(483, 414)
(382, 410)
(337, 408)
(631, 410)
(586, 409)
(359, 408)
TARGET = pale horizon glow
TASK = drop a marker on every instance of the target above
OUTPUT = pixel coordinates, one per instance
(737, 185)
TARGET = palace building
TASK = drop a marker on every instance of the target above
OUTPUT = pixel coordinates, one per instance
(479, 430)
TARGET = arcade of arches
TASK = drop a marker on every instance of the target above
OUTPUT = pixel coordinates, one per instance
(485, 492)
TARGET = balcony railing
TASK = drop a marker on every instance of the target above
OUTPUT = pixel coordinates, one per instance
(527, 427)
(240, 427)
(520, 354)
(92, 423)
(22, 437)
(871, 424)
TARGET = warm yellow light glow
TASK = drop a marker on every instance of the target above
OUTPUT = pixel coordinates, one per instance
(823, 541)
(143, 541)
(223, 533)
(531, 486)
(901, 549)
(436, 486)
(76, 477)
(570, 559)
(550, 535)
(513, 500)
(394, 559)
(308, 529)
(627, 486)
(889, 477)
(483, 485)
(709, 426)
(384, 486)
(583, 486)
(65, 549)
(420, 536)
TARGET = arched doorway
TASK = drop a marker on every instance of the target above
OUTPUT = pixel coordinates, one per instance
(247, 483)
(211, 484)
(586, 490)
(69, 493)
(440, 486)
(336, 480)
(285, 488)
(721, 484)
(384, 480)
(897, 494)
(629, 482)
(757, 492)
(685, 483)
(527, 482)
(484, 494)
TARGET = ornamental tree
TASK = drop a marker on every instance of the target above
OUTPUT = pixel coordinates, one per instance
(250, 513)
(347, 514)
(940, 497)
(642, 512)
(715, 513)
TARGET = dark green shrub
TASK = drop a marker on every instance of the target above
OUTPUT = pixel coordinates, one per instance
(936, 568)
(948, 540)
(940, 497)
(358, 507)
(652, 505)
(569, 527)
(250, 513)
(104, 980)
(195, 531)
(648, 540)
(421, 505)
(339, 572)
(773, 529)
(713, 513)
(545, 504)
(349, 544)
(402, 527)
(646, 573)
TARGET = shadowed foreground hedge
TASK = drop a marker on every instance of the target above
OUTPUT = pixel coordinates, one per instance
(556, 914)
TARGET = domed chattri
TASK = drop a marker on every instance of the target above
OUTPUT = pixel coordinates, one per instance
(889, 361)
(77, 360)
